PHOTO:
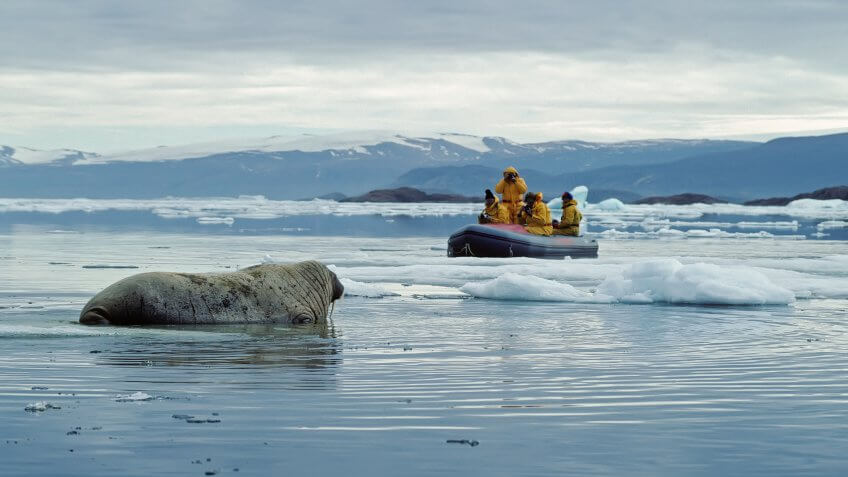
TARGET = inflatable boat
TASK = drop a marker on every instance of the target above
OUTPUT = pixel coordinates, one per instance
(510, 240)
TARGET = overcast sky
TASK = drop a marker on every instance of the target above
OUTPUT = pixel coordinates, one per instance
(109, 75)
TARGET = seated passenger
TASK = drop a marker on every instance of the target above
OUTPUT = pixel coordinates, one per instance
(495, 212)
(524, 211)
(571, 217)
(538, 216)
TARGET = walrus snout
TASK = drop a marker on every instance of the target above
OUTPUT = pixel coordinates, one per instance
(95, 316)
(338, 288)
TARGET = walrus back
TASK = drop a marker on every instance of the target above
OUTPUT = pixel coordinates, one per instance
(296, 293)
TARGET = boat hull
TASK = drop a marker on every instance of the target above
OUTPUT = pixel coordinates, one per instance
(500, 240)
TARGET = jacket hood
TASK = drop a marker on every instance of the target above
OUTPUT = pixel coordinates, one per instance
(494, 205)
(570, 202)
(510, 169)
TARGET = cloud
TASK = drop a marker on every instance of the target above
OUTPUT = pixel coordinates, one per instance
(531, 70)
(153, 33)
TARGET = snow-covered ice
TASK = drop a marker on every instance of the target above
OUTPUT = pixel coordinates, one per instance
(659, 281)
(134, 397)
(369, 290)
(512, 286)
(669, 281)
(832, 224)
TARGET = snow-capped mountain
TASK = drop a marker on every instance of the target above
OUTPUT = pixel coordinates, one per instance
(435, 148)
(10, 156)
(309, 166)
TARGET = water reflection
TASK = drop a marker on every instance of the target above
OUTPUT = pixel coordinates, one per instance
(311, 347)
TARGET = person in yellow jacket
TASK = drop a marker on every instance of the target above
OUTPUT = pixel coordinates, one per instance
(495, 212)
(511, 187)
(538, 216)
(571, 217)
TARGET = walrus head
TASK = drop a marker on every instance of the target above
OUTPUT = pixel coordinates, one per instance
(95, 316)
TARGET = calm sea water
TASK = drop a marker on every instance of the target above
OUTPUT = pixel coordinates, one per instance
(425, 382)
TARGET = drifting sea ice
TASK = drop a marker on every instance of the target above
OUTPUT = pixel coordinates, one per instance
(367, 290)
(666, 232)
(670, 281)
(658, 281)
(611, 204)
(832, 224)
(134, 397)
(512, 286)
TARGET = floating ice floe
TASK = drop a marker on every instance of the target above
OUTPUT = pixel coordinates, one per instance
(134, 397)
(221, 209)
(611, 204)
(512, 286)
(670, 281)
(652, 223)
(660, 281)
(832, 224)
(367, 290)
(694, 233)
(216, 220)
(40, 406)
(52, 331)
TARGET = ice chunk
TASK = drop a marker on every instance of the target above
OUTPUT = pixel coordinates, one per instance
(666, 232)
(657, 281)
(832, 224)
(367, 290)
(216, 220)
(581, 195)
(136, 396)
(611, 204)
(512, 286)
(670, 281)
(40, 406)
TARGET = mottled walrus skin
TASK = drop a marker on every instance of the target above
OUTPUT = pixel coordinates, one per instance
(296, 293)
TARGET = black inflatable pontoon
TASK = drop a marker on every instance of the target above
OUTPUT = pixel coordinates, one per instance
(509, 240)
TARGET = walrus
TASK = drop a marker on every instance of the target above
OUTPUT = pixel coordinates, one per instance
(270, 293)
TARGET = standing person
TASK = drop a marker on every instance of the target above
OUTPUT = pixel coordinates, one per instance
(571, 217)
(495, 212)
(511, 187)
(538, 216)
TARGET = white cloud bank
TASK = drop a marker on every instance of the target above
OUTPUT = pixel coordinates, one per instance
(524, 96)
(534, 70)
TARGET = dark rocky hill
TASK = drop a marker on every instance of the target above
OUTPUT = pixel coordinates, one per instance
(838, 192)
(787, 165)
(409, 194)
(680, 199)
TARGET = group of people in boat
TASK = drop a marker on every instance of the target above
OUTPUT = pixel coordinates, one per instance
(518, 206)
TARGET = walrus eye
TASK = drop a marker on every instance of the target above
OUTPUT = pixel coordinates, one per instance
(302, 319)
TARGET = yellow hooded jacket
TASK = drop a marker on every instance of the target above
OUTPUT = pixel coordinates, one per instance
(498, 214)
(512, 193)
(539, 222)
(571, 217)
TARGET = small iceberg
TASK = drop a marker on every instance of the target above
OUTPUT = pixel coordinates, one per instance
(134, 397)
(40, 406)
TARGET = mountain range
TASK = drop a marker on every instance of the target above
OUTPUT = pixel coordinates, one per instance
(351, 164)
